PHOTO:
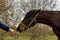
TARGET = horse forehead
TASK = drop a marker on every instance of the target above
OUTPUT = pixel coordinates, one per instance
(30, 14)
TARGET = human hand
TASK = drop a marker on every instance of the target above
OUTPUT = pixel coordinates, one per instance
(13, 31)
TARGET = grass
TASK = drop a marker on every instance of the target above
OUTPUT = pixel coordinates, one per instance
(19, 36)
(26, 36)
(50, 38)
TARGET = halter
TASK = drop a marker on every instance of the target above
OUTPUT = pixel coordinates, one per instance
(33, 19)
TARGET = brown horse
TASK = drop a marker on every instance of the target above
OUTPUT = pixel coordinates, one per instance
(51, 18)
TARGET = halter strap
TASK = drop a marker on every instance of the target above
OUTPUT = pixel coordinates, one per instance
(37, 13)
(34, 18)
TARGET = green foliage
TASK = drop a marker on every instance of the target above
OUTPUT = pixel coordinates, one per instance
(2, 3)
(0, 13)
(26, 35)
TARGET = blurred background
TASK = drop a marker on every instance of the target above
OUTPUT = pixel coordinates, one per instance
(12, 12)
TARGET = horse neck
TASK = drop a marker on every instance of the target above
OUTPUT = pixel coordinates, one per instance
(44, 18)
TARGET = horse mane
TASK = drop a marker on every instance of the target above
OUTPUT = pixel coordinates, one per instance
(33, 12)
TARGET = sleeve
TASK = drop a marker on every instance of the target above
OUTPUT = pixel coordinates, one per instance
(4, 26)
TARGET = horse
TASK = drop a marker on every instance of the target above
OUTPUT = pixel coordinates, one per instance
(50, 18)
